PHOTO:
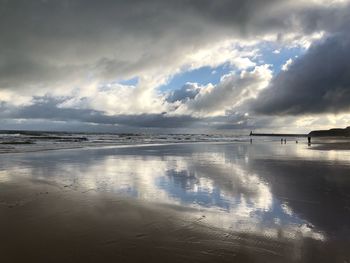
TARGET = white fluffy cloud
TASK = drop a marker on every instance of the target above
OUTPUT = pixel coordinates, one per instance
(286, 65)
(232, 91)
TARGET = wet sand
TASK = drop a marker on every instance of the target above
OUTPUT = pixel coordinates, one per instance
(203, 202)
(332, 145)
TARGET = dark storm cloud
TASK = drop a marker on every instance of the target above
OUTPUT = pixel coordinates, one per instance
(44, 41)
(318, 82)
(41, 38)
(47, 108)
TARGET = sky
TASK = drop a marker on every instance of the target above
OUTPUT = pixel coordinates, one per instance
(196, 66)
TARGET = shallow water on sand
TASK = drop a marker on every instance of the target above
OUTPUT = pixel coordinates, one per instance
(260, 202)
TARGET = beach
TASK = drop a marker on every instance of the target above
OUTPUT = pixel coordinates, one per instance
(183, 202)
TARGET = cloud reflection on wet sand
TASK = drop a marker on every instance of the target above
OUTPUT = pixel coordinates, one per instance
(216, 185)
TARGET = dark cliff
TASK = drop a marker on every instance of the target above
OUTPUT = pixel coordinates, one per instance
(332, 132)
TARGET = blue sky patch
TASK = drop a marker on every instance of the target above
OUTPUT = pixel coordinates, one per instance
(129, 82)
(202, 76)
(277, 60)
(206, 75)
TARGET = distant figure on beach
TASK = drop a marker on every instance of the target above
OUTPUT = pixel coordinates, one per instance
(309, 140)
(285, 140)
(251, 140)
(296, 141)
(281, 140)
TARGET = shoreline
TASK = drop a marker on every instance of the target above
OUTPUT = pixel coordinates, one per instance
(107, 146)
(32, 148)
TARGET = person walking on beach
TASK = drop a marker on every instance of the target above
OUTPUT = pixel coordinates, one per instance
(281, 140)
(285, 140)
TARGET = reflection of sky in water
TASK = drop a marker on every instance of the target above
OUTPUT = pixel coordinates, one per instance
(216, 183)
(192, 190)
